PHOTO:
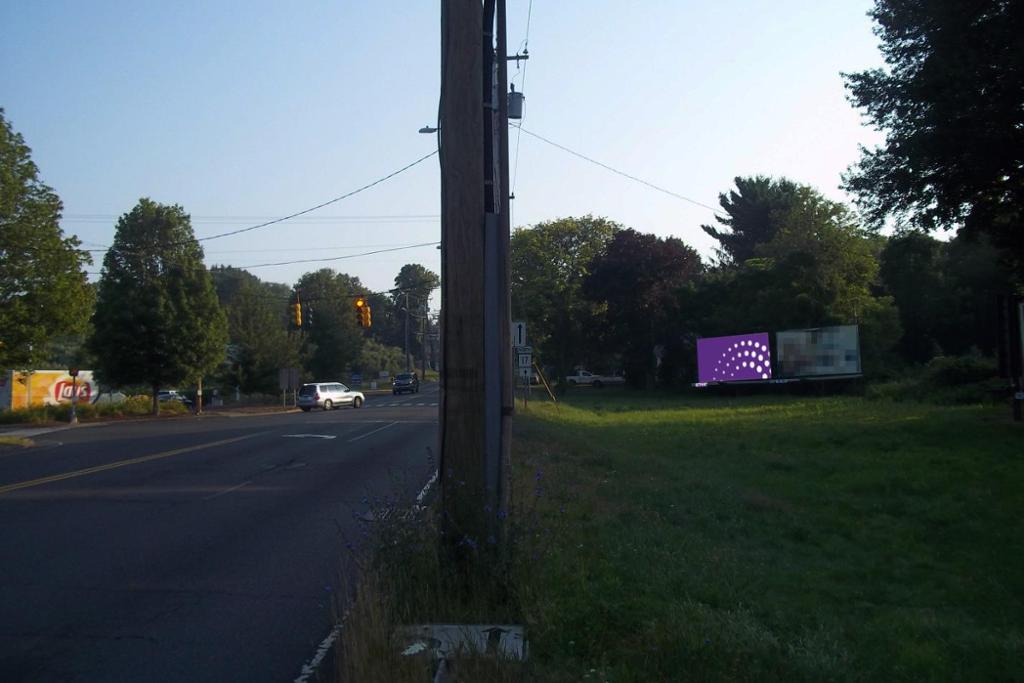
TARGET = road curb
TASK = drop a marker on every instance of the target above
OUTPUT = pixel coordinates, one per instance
(16, 430)
(28, 432)
(264, 413)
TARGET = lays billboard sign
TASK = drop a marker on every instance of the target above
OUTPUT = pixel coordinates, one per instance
(20, 389)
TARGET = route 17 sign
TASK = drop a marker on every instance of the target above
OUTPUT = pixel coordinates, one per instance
(524, 356)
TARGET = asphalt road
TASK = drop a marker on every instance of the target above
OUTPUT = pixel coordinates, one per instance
(192, 549)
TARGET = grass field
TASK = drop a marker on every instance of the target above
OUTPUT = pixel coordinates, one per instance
(773, 540)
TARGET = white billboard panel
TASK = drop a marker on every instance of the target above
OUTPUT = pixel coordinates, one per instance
(818, 352)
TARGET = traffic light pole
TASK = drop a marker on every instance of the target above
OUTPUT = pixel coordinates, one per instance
(423, 343)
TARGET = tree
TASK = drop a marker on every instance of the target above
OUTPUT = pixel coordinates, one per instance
(549, 263)
(334, 343)
(260, 344)
(753, 212)
(822, 241)
(636, 279)
(44, 294)
(417, 280)
(911, 271)
(819, 268)
(949, 103)
(377, 357)
(157, 318)
(413, 284)
(974, 277)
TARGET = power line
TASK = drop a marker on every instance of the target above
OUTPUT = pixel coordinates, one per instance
(339, 258)
(617, 171)
(319, 260)
(522, 87)
(257, 251)
(304, 211)
(277, 250)
(201, 220)
(298, 213)
(269, 222)
(362, 291)
(322, 205)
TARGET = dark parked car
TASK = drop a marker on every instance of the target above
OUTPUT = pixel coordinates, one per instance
(407, 381)
(172, 395)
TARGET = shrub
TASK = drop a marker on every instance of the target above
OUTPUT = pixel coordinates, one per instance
(946, 380)
(134, 406)
(956, 371)
(33, 415)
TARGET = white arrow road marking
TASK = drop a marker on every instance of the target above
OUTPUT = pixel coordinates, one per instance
(309, 436)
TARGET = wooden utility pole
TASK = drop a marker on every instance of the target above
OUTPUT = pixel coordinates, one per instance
(477, 397)
(461, 152)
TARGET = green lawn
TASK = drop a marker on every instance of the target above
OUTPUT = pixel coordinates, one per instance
(759, 539)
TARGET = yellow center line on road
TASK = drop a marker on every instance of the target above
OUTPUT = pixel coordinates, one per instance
(121, 463)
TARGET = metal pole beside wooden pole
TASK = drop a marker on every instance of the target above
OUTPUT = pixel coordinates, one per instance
(503, 195)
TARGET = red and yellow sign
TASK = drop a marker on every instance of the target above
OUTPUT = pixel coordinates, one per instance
(45, 387)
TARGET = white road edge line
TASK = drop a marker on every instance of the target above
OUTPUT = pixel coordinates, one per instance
(425, 490)
(309, 668)
(370, 433)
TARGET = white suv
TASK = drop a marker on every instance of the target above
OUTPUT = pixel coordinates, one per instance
(328, 395)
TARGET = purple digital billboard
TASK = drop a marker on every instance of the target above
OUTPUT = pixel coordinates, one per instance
(741, 357)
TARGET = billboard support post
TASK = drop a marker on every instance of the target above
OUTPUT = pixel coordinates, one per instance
(1018, 378)
(1010, 324)
(73, 419)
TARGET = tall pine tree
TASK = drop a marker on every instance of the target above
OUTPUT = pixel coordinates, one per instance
(949, 101)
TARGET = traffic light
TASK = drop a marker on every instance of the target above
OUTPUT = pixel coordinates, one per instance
(367, 321)
(360, 305)
(297, 315)
(307, 318)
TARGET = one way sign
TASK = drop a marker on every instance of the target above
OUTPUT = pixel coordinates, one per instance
(518, 334)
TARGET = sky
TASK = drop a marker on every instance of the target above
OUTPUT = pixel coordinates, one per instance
(243, 112)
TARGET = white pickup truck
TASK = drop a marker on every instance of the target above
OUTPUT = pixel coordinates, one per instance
(583, 377)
